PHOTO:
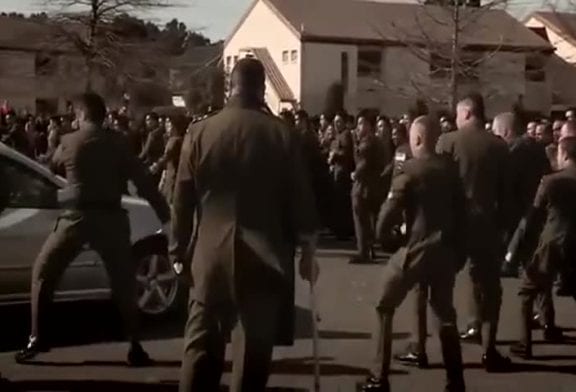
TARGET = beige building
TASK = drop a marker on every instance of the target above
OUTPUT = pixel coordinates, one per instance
(385, 55)
(35, 75)
(560, 30)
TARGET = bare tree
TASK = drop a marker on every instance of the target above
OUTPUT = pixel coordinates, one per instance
(88, 26)
(440, 36)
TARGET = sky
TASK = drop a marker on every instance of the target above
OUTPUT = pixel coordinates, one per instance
(214, 18)
(217, 18)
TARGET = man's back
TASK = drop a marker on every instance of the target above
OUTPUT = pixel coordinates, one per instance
(483, 162)
(558, 195)
(250, 185)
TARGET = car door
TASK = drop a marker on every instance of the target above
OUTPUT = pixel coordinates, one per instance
(29, 215)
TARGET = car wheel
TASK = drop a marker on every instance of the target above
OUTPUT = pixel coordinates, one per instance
(159, 288)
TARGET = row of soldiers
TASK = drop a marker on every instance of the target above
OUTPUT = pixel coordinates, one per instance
(244, 200)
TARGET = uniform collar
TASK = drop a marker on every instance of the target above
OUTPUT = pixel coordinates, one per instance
(240, 102)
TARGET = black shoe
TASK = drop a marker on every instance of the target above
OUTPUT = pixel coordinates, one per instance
(536, 321)
(411, 358)
(553, 334)
(494, 362)
(31, 350)
(137, 357)
(374, 384)
(472, 334)
(520, 350)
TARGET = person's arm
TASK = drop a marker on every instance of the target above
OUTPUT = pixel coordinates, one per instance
(56, 161)
(184, 202)
(505, 205)
(525, 239)
(170, 152)
(460, 224)
(145, 186)
(392, 210)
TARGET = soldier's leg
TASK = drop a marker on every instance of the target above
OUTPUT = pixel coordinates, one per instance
(59, 250)
(253, 341)
(362, 226)
(394, 290)
(110, 237)
(418, 304)
(489, 282)
(204, 348)
(473, 293)
(442, 304)
(545, 305)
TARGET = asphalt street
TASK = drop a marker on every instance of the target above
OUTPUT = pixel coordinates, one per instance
(89, 354)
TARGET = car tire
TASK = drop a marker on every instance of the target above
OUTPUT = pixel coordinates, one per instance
(161, 293)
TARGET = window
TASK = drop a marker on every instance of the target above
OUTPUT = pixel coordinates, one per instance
(45, 64)
(467, 68)
(26, 188)
(369, 63)
(535, 68)
(293, 56)
(344, 70)
(285, 58)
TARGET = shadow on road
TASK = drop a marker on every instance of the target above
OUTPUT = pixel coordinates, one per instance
(99, 386)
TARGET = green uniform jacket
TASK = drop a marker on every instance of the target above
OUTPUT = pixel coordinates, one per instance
(483, 162)
(242, 172)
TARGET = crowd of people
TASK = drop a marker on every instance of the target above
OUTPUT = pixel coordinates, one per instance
(439, 194)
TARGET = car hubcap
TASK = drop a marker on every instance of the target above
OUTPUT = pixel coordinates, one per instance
(157, 284)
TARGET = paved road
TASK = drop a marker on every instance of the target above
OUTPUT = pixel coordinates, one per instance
(89, 356)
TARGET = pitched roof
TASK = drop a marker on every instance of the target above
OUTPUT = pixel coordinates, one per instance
(274, 75)
(369, 22)
(562, 23)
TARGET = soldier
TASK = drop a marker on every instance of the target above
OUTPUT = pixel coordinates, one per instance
(98, 164)
(367, 187)
(242, 172)
(154, 144)
(483, 162)
(342, 159)
(550, 236)
(429, 194)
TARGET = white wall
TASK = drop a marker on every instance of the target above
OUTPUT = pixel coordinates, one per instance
(263, 29)
(321, 68)
(564, 49)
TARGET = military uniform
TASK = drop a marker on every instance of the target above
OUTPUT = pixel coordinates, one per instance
(343, 162)
(367, 192)
(153, 146)
(428, 193)
(242, 172)
(550, 235)
(484, 169)
(169, 163)
(98, 165)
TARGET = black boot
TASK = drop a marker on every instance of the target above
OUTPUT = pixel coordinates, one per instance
(374, 384)
(494, 362)
(137, 357)
(472, 334)
(452, 357)
(32, 349)
(412, 358)
(553, 334)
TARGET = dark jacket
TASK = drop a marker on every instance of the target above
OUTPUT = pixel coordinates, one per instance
(370, 162)
(153, 146)
(98, 164)
(427, 193)
(242, 172)
(483, 163)
(169, 162)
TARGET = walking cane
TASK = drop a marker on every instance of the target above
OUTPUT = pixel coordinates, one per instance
(315, 338)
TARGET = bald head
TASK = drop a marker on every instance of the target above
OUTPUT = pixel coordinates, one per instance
(506, 125)
(424, 134)
(568, 130)
(248, 79)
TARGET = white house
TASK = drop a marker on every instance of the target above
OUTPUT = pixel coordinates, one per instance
(370, 47)
(559, 28)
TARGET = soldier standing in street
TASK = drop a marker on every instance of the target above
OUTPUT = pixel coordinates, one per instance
(429, 193)
(242, 173)
(367, 186)
(154, 144)
(483, 161)
(98, 164)
(550, 236)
